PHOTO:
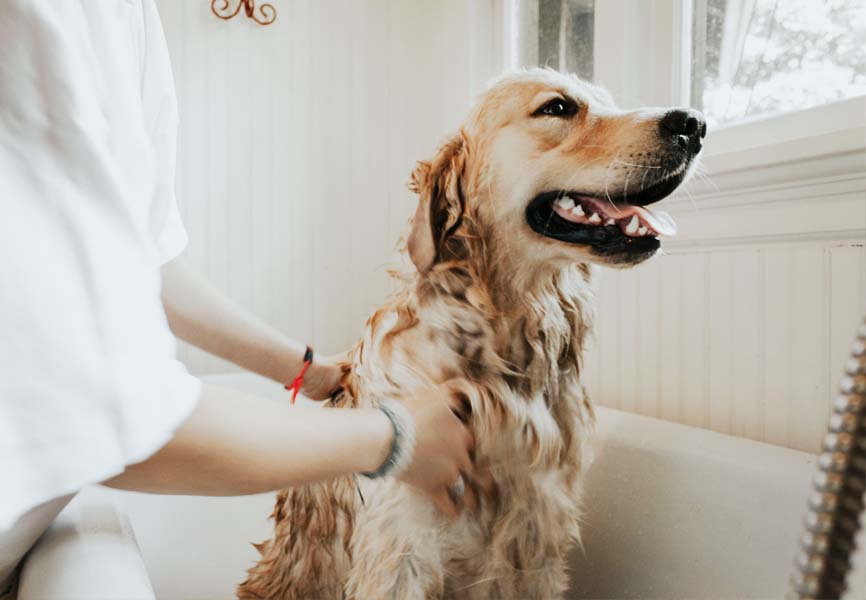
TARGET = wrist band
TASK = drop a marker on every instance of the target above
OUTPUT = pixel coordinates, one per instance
(402, 447)
(295, 386)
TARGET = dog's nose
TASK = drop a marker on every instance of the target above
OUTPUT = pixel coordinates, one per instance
(685, 128)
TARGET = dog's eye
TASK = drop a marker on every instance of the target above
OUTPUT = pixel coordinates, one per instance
(558, 107)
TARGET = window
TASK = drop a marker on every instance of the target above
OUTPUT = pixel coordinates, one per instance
(733, 59)
(759, 57)
(556, 34)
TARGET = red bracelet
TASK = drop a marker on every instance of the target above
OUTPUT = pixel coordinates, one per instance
(295, 386)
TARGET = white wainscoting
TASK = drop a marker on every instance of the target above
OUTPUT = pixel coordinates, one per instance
(297, 140)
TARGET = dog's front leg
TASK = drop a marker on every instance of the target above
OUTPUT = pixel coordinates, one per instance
(396, 547)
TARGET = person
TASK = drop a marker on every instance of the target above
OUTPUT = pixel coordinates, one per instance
(91, 290)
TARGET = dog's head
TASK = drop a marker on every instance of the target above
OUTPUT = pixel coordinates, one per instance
(550, 171)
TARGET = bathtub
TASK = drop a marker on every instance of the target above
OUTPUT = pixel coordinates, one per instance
(670, 512)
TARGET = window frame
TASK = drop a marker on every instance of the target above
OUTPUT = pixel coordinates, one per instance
(834, 128)
(656, 36)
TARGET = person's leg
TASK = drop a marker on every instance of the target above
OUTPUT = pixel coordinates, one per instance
(89, 551)
(15, 542)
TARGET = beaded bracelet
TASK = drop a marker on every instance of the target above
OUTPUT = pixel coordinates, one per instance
(402, 446)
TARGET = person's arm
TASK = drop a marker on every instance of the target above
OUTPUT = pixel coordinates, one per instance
(236, 444)
(200, 315)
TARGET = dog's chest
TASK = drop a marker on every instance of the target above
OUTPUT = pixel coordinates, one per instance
(534, 469)
(527, 425)
(530, 419)
(528, 405)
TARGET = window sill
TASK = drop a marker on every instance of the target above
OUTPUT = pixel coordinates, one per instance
(826, 143)
(831, 129)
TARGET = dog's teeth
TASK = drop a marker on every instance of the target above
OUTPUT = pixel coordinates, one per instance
(610, 222)
(595, 219)
(565, 203)
(642, 231)
(577, 211)
(632, 226)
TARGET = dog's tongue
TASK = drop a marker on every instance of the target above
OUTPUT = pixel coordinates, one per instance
(659, 220)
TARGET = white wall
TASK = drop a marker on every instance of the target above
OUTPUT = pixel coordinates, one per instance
(296, 142)
(297, 139)
(743, 325)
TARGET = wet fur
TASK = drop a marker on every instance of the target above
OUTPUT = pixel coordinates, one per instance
(490, 308)
(528, 433)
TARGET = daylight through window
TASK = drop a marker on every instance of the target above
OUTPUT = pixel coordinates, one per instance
(759, 57)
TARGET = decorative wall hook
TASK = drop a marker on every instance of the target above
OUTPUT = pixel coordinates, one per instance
(267, 14)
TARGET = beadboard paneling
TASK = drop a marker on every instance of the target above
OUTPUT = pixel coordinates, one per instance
(743, 326)
(296, 142)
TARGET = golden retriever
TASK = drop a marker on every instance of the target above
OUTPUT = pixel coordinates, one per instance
(545, 178)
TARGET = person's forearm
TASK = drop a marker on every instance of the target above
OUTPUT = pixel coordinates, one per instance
(200, 315)
(235, 444)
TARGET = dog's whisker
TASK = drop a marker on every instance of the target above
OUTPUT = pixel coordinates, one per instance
(625, 187)
(622, 162)
(701, 173)
(607, 183)
(643, 181)
(691, 199)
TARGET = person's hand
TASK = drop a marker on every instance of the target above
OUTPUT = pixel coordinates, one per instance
(323, 376)
(443, 446)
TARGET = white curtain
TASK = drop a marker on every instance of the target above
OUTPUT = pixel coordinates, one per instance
(738, 17)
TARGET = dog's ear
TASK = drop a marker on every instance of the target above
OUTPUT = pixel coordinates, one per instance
(439, 186)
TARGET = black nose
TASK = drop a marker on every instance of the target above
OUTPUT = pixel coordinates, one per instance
(685, 128)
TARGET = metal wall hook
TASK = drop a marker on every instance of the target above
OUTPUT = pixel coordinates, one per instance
(267, 14)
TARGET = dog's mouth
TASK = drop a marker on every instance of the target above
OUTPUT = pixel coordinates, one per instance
(610, 226)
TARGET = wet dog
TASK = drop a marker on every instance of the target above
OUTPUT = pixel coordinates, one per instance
(545, 179)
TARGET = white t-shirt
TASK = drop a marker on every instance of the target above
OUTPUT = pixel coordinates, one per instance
(88, 123)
